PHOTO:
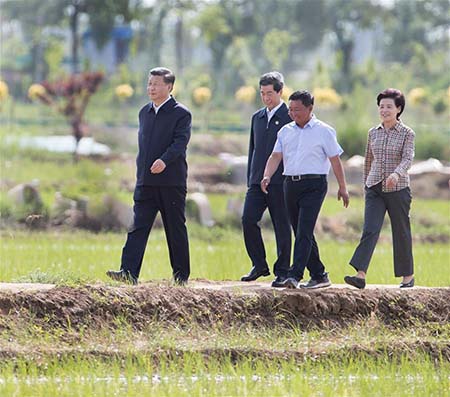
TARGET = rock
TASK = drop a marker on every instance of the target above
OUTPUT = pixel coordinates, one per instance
(235, 207)
(27, 205)
(121, 214)
(427, 166)
(237, 168)
(25, 194)
(62, 204)
(197, 206)
(356, 161)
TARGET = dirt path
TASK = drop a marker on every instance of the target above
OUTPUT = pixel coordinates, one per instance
(230, 286)
(228, 302)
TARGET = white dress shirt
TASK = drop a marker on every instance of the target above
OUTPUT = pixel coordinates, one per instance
(307, 150)
(270, 113)
(156, 108)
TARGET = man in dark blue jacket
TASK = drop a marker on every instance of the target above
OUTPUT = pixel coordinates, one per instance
(164, 132)
(266, 123)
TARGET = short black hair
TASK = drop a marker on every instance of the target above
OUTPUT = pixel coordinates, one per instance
(394, 94)
(168, 76)
(304, 96)
(272, 78)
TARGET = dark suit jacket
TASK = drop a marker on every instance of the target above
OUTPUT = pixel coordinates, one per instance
(262, 141)
(163, 136)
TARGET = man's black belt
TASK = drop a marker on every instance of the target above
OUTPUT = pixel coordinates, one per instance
(296, 178)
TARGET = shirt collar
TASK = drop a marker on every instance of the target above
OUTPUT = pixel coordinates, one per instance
(156, 108)
(396, 127)
(274, 110)
(311, 123)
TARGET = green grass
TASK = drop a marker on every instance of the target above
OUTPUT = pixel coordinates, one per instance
(216, 254)
(191, 376)
(77, 257)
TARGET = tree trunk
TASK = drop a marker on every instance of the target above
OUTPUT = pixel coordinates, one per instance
(179, 59)
(75, 39)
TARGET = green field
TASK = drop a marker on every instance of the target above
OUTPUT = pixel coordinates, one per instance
(39, 357)
(78, 256)
(191, 377)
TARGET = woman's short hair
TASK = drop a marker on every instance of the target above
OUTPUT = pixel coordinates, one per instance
(396, 95)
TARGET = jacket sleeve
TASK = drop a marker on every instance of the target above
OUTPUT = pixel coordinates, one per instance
(407, 155)
(251, 148)
(181, 138)
(368, 158)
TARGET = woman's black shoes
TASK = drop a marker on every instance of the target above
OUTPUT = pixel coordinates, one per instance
(409, 284)
(355, 281)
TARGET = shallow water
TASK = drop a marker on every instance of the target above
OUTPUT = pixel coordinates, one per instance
(61, 144)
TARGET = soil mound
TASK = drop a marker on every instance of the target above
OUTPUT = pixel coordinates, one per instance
(102, 305)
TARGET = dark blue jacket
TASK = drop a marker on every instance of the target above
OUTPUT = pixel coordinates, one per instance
(262, 141)
(163, 136)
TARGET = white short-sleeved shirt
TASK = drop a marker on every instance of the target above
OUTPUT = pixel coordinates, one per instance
(307, 150)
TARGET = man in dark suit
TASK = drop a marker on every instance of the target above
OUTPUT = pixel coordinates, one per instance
(264, 129)
(164, 132)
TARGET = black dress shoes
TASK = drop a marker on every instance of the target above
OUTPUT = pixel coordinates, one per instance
(355, 281)
(409, 284)
(279, 282)
(123, 276)
(255, 274)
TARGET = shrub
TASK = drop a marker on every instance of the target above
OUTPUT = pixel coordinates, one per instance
(327, 97)
(287, 91)
(431, 145)
(246, 94)
(201, 95)
(417, 96)
(439, 105)
(4, 91)
(124, 91)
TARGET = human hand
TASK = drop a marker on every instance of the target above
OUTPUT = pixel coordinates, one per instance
(158, 166)
(343, 194)
(392, 180)
(265, 183)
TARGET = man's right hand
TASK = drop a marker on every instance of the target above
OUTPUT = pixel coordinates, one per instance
(265, 183)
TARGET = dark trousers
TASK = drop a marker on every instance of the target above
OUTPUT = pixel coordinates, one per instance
(397, 204)
(170, 201)
(304, 199)
(256, 202)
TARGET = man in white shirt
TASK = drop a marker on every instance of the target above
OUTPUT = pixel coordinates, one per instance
(307, 147)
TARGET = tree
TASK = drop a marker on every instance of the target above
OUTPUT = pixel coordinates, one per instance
(217, 33)
(344, 17)
(70, 97)
(276, 47)
(34, 16)
(412, 23)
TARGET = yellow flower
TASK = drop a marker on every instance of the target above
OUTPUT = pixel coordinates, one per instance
(124, 91)
(35, 91)
(4, 92)
(417, 96)
(287, 91)
(327, 97)
(201, 95)
(246, 94)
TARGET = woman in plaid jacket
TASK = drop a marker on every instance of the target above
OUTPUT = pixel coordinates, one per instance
(389, 154)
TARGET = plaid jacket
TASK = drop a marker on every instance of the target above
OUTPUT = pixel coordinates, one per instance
(389, 151)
